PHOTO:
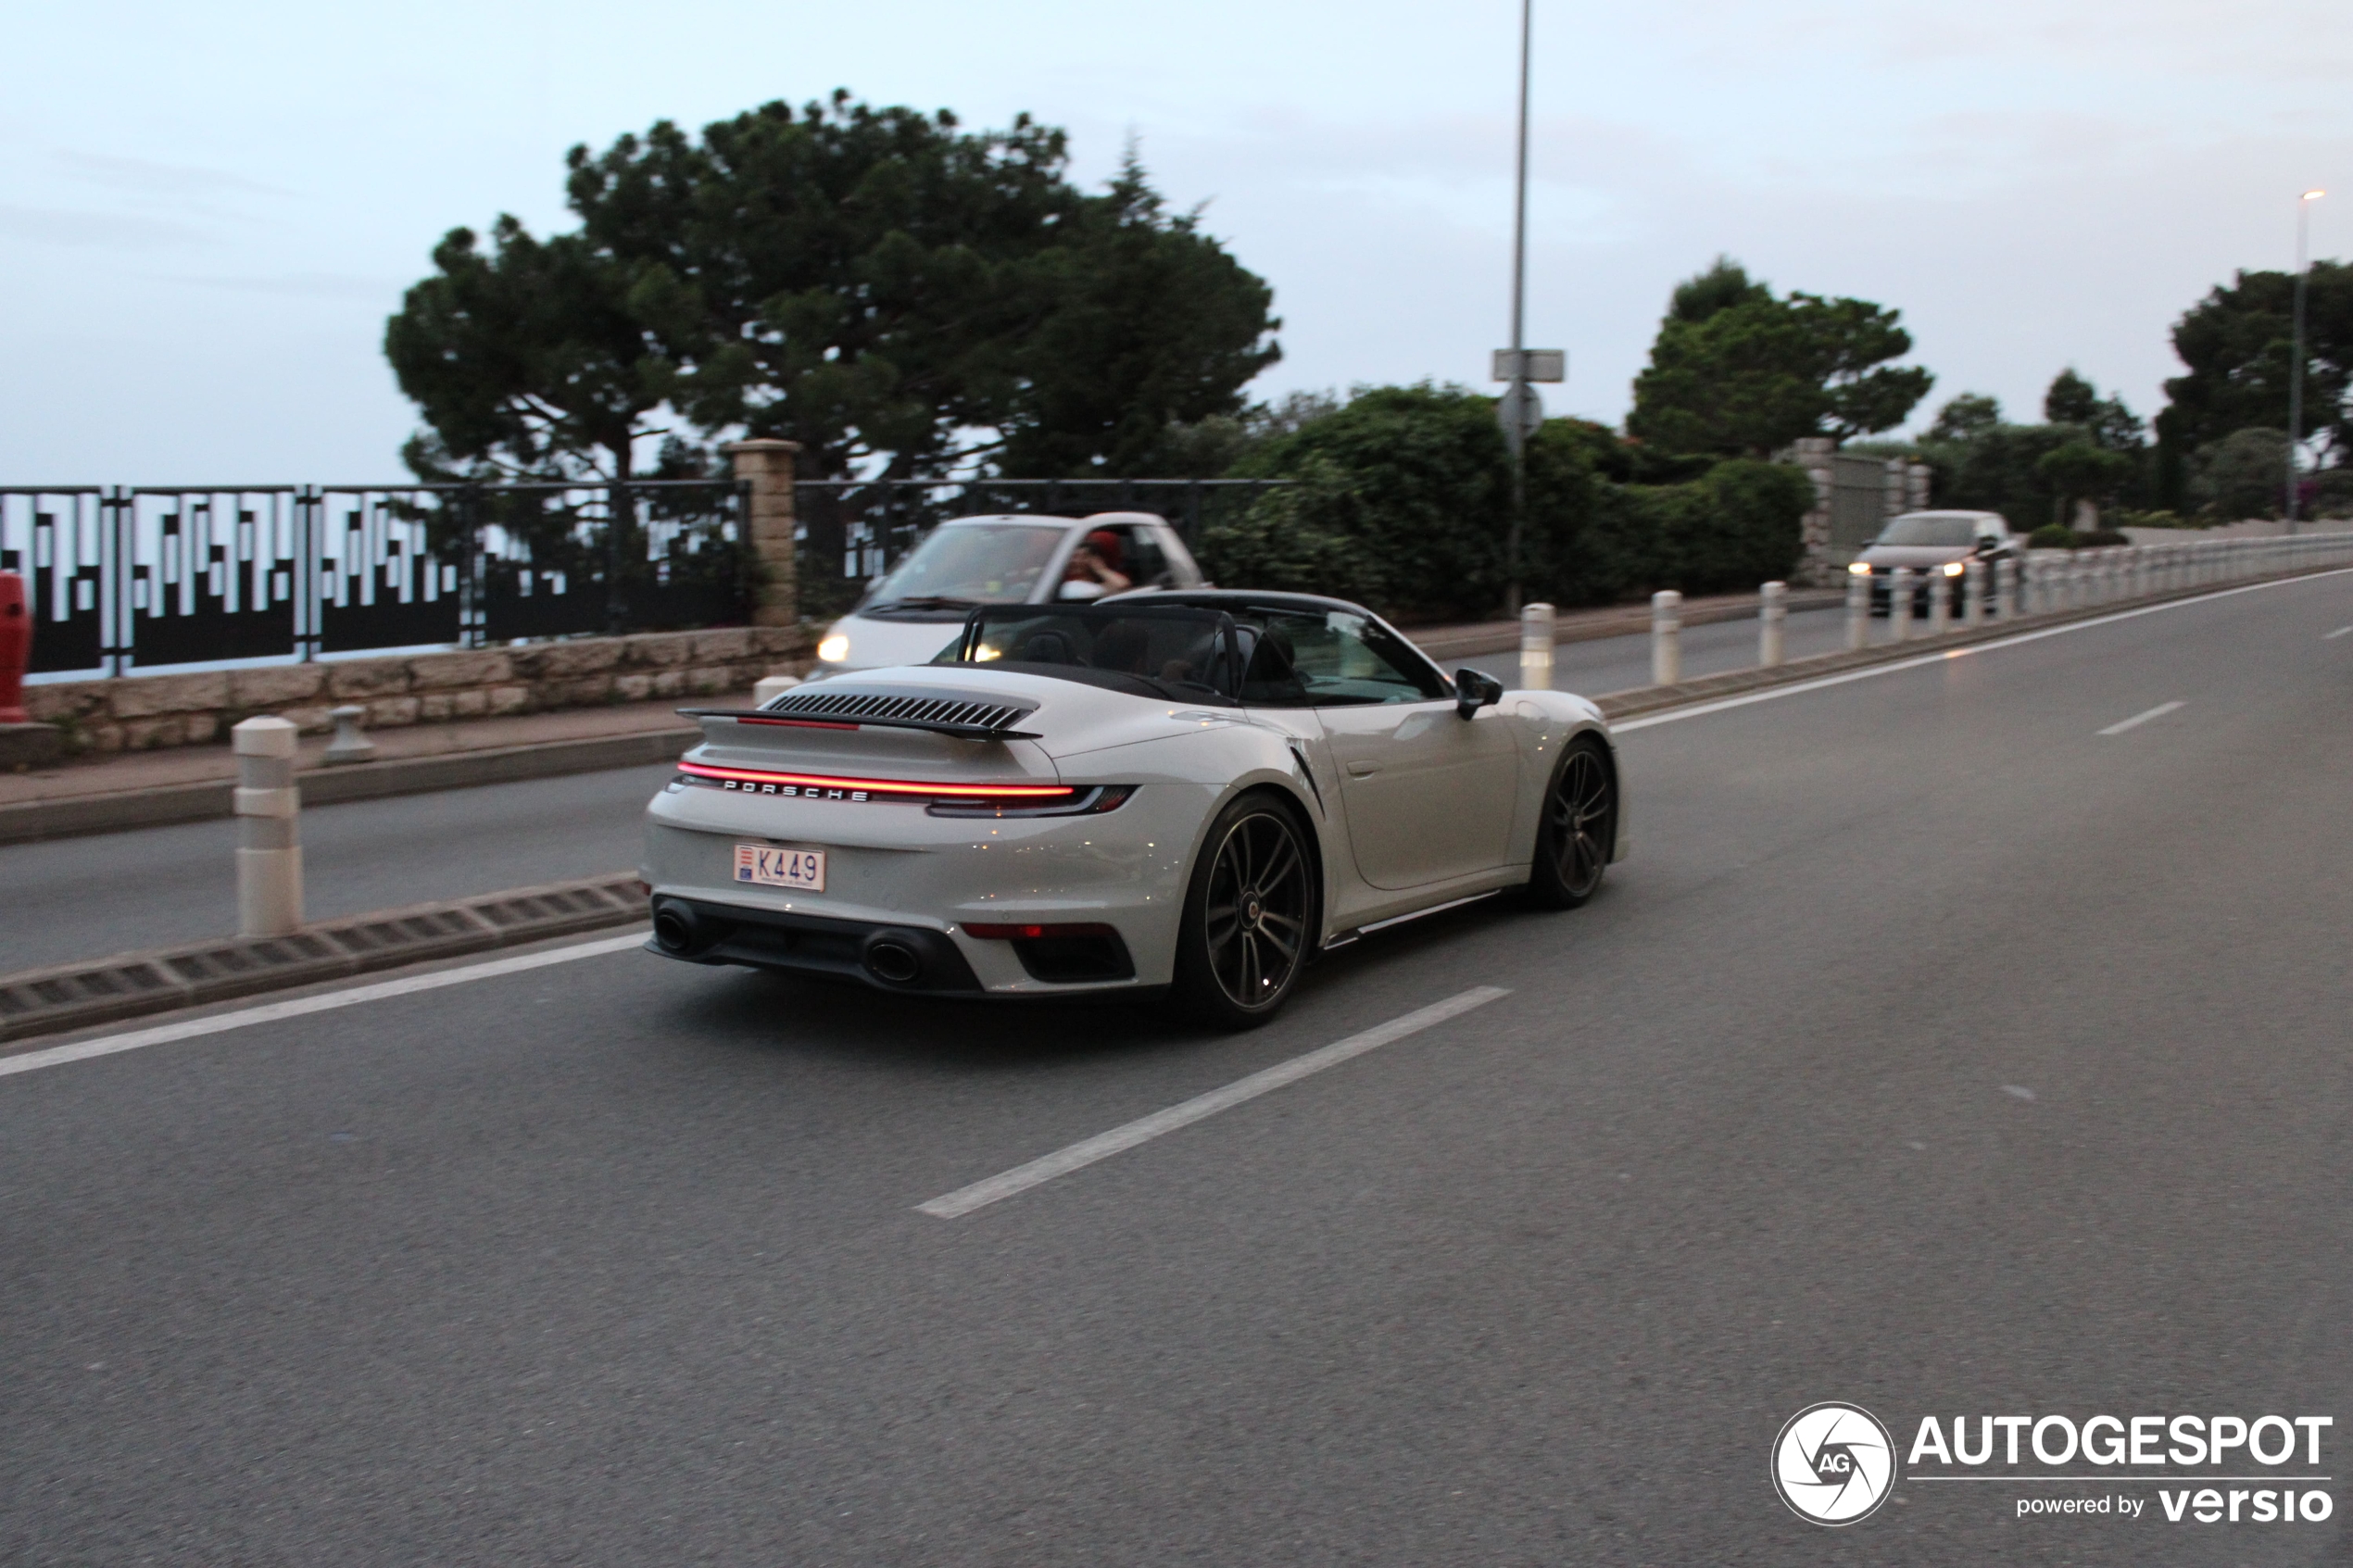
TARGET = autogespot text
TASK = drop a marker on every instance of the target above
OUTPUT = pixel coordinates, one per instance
(2272, 1466)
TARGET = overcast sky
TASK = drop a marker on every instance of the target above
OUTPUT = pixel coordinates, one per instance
(206, 213)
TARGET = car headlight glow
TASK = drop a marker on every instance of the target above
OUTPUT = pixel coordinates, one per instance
(1955, 567)
(1859, 568)
(833, 649)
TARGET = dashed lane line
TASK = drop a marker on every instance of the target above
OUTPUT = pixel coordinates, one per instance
(1102, 1146)
(2137, 719)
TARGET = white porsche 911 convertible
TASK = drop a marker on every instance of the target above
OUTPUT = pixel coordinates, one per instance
(1197, 791)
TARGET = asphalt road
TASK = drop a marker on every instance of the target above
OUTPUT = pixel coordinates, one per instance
(1934, 1051)
(85, 898)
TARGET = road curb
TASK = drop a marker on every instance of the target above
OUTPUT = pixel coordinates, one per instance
(74, 996)
(115, 811)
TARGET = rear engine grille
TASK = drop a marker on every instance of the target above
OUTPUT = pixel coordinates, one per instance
(850, 706)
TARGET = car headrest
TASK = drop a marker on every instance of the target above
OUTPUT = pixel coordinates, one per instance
(1046, 647)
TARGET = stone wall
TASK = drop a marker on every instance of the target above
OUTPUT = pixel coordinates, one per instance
(143, 712)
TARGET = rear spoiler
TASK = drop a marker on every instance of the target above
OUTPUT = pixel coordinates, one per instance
(822, 721)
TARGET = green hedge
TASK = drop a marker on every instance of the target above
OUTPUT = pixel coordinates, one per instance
(1403, 502)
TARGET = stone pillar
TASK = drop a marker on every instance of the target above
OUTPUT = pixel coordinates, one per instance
(1814, 454)
(1896, 493)
(1916, 487)
(767, 466)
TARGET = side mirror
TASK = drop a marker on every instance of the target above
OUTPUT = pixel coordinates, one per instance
(1473, 691)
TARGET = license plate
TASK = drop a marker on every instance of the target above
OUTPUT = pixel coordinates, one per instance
(768, 866)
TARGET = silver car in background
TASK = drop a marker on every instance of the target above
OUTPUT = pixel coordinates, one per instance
(909, 614)
(1938, 546)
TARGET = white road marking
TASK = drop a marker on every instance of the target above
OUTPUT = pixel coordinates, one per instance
(328, 1001)
(1102, 1146)
(2340, 632)
(1776, 692)
(2137, 719)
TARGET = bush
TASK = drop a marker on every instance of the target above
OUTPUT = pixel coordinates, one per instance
(2243, 475)
(1402, 501)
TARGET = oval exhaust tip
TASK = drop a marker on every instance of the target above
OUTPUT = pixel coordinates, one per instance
(674, 929)
(893, 961)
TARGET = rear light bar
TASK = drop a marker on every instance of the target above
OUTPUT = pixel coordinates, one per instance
(1043, 795)
(988, 932)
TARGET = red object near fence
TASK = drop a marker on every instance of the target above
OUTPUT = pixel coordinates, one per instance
(16, 647)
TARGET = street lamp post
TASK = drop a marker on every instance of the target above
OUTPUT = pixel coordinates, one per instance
(1515, 431)
(2295, 358)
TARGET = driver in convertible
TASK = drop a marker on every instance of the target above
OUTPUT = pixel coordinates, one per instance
(1093, 571)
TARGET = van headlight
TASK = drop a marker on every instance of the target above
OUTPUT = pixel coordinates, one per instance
(833, 649)
(1859, 568)
(1955, 567)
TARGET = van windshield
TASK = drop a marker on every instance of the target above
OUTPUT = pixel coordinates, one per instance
(973, 563)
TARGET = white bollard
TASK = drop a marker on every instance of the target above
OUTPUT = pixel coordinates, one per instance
(1773, 615)
(349, 745)
(1973, 592)
(1940, 602)
(1536, 627)
(2006, 587)
(1858, 610)
(1899, 603)
(268, 807)
(768, 688)
(1667, 637)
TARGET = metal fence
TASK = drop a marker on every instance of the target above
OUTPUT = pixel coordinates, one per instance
(125, 577)
(853, 531)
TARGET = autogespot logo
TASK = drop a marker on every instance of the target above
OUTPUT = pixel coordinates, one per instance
(1833, 1463)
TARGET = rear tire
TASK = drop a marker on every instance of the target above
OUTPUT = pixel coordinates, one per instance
(1579, 828)
(1251, 915)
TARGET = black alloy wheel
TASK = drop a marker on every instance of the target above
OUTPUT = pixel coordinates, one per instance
(1580, 829)
(1249, 921)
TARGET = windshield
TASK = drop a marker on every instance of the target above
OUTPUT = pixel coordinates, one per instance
(1929, 528)
(1170, 651)
(974, 562)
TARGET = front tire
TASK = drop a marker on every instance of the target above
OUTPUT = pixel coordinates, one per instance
(1249, 917)
(1579, 828)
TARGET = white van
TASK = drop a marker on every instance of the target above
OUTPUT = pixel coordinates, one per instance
(917, 609)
